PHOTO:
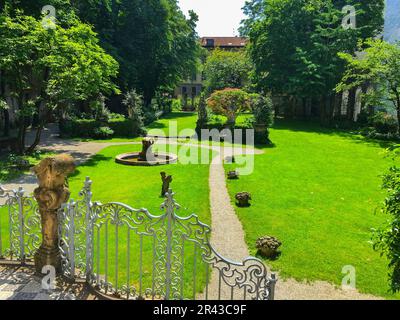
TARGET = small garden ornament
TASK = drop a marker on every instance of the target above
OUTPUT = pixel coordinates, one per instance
(243, 199)
(268, 246)
(166, 180)
(233, 175)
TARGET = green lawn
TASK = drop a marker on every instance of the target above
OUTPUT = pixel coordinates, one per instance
(317, 191)
(140, 187)
(174, 124)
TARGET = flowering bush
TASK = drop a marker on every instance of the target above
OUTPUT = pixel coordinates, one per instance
(229, 102)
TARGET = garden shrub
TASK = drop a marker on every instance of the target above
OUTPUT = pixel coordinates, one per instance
(176, 105)
(85, 128)
(202, 113)
(134, 104)
(382, 126)
(371, 133)
(263, 110)
(103, 133)
(229, 102)
(99, 110)
(384, 123)
(387, 240)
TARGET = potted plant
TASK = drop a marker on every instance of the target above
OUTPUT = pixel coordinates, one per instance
(263, 117)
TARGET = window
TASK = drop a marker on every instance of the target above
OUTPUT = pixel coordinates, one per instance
(210, 42)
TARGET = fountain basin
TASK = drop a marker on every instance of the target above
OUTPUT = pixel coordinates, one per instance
(157, 159)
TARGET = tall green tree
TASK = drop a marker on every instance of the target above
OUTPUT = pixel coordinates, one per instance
(380, 66)
(153, 41)
(226, 69)
(47, 70)
(302, 62)
(387, 239)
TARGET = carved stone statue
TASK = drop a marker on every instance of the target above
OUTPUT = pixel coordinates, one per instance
(51, 194)
(166, 180)
(146, 149)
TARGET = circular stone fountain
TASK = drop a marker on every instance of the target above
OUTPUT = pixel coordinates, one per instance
(146, 157)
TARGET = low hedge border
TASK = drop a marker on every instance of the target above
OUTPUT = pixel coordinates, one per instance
(85, 128)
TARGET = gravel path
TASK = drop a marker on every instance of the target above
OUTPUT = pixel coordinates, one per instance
(227, 236)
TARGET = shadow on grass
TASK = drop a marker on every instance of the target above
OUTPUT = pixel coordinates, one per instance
(274, 257)
(157, 125)
(174, 115)
(171, 116)
(92, 162)
(312, 126)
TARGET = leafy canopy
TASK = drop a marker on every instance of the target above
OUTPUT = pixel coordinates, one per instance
(226, 69)
(380, 65)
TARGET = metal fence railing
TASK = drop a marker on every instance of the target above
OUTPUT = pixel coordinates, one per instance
(130, 253)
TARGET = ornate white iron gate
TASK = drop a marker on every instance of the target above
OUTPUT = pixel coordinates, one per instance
(132, 254)
(20, 229)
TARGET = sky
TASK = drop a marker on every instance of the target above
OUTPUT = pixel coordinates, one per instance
(216, 17)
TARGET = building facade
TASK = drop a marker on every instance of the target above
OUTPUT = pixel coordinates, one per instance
(191, 88)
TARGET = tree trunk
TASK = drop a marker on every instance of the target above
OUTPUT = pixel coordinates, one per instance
(337, 109)
(398, 118)
(148, 95)
(308, 105)
(36, 142)
(351, 104)
(323, 108)
(21, 137)
(6, 131)
(364, 90)
(231, 120)
(398, 111)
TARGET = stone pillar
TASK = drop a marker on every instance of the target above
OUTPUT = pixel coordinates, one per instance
(51, 194)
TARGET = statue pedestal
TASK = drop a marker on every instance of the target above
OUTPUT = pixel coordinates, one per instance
(47, 257)
(51, 194)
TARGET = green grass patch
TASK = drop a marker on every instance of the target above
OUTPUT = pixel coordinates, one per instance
(174, 124)
(317, 191)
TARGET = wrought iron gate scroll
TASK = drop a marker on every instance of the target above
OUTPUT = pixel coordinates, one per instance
(103, 242)
(130, 253)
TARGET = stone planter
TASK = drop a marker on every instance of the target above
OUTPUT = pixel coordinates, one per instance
(260, 128)
(261, 134)
(268, 246)
(233, 175)
(242, 199)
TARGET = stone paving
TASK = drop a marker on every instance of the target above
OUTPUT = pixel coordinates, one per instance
(21, 283)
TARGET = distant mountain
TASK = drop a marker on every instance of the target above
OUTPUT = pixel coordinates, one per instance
(392, 20)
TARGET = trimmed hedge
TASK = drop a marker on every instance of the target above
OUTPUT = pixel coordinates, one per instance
(85, 128)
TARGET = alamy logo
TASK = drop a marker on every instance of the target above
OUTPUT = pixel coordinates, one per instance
(49, 20)
(349, 280)
(49, 280)
(349, 20)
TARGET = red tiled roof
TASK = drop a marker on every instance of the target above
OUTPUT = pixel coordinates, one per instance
(224, 41)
